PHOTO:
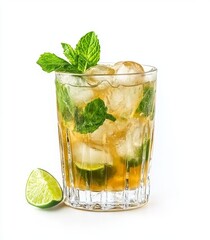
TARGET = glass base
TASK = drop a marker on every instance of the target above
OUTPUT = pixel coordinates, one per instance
(107, 200)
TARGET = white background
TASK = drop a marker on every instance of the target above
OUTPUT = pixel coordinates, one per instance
(171, 35)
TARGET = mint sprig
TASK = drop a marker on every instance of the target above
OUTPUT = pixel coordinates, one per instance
(64, 102)
(88, 51)
(146, 106)
(142, 154)
(85, 55)
(86, 119)
(49, 62)
(90, 118)
(70, 54)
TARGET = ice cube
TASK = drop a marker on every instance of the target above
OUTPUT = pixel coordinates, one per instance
(70, 79)
(127, 147)
(85, 154)
(99, 74)
(80, 92)
(81, 95)
(126, 71)
(108, 131)
(123, 101)
(103, 133)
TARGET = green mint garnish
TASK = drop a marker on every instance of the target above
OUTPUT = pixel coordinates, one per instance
(50, 62)
(85, 55)
(88, 51)
(146, 106)
(143, 151)
(142, 154)
(70, 54)
(64, 102)
(86, 120)
(92, 116)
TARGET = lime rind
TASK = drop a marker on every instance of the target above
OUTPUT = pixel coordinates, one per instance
(43, 190)
(89, 167)
(96, 174)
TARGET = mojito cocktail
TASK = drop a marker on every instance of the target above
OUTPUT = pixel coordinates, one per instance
(106, 126)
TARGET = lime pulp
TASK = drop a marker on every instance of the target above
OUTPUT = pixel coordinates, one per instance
(42, 189)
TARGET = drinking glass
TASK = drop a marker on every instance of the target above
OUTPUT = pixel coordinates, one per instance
(106, 128)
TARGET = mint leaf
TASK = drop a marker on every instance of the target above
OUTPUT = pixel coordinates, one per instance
(146, 106)
(92, 116)
(88, 51)
(64, 102)
(142, 154)
(49, 62)
(69, 53)
(143, 151)
(110, 117)
(85, 55)
(81, 63)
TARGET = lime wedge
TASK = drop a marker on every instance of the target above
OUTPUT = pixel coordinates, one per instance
(89, 167)
(42, 189)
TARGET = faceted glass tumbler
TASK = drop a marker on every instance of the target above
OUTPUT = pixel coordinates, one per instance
(106, 128)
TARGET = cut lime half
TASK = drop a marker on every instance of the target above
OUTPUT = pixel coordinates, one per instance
(43, 190)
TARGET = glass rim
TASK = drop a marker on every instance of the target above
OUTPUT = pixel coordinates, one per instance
(150, 71)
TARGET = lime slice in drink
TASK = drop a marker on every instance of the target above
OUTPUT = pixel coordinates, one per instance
(89, 167)
(43, 190)
(96, 174)
(92, 164)
(91, 173)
